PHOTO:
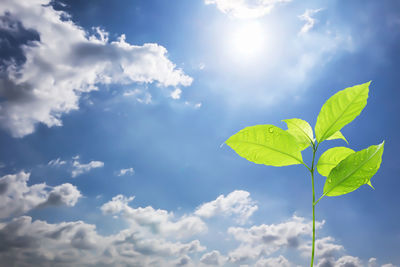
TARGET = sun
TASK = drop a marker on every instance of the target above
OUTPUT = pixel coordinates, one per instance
(248, 40)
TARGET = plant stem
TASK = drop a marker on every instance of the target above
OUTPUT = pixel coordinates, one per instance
(313, 204)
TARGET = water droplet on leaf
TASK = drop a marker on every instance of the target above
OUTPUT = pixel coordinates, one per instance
(271, 130)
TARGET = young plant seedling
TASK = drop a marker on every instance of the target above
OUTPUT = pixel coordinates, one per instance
(345, 170)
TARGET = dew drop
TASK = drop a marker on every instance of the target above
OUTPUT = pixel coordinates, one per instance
(271, 130)
(329, 180)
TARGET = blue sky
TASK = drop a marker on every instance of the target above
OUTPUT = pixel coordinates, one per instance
(112, 116)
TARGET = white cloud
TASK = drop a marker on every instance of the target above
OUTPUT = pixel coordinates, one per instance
(267, 239)
(348, 261)
(213, 258)
(141, 96)
(68, 62)
(193, 105)
(176, 94)
(145, 99)
(245, 9)
(65, 194)
(131, 92)
(24, 242)
(128, 171)
(56, 162)
(325, 248)
(79, 168)
(160, 222)
(183, 261)
(273, 262)
(310, 21)
(153, 238)
(372, 262)
(236, 203)
(345, 261)
(17, 197)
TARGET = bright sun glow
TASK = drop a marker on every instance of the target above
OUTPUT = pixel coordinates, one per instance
(248, 40)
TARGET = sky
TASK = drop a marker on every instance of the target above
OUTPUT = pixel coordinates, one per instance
(114, 114)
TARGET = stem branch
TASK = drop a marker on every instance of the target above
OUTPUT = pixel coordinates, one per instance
(313, 204)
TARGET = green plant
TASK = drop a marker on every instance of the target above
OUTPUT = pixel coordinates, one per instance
(345, 170)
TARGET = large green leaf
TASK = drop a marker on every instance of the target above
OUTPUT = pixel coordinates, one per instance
(301, 131)
(354, 171)
(340, 109)
(330, 158)
(266, 144)
(337, 135)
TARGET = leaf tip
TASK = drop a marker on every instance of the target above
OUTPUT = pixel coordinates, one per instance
(382, 144)
(370, 184)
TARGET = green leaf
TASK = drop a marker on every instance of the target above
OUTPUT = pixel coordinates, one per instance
(266, 144)
(355, 170)
(301, 131)
(340, 109)
(337, 135)
(331, 158)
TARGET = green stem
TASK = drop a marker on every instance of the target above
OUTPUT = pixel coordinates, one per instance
(318, 200)
(313, 204)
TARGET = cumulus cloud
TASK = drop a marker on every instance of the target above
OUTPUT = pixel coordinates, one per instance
(267, 239)
(245, 9)
(184, 261)
(258, 242)
(128, 171)
(80, 168)
(273, 262)
(345, 261)
(65, 194)
(372, 262)
(325, 248)
(213, 258)
(156, 221)
(24, 242)
(153, 237)
(17, 197)
(176, 94)
(237, 203)
(62, 61)
(310, 21)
